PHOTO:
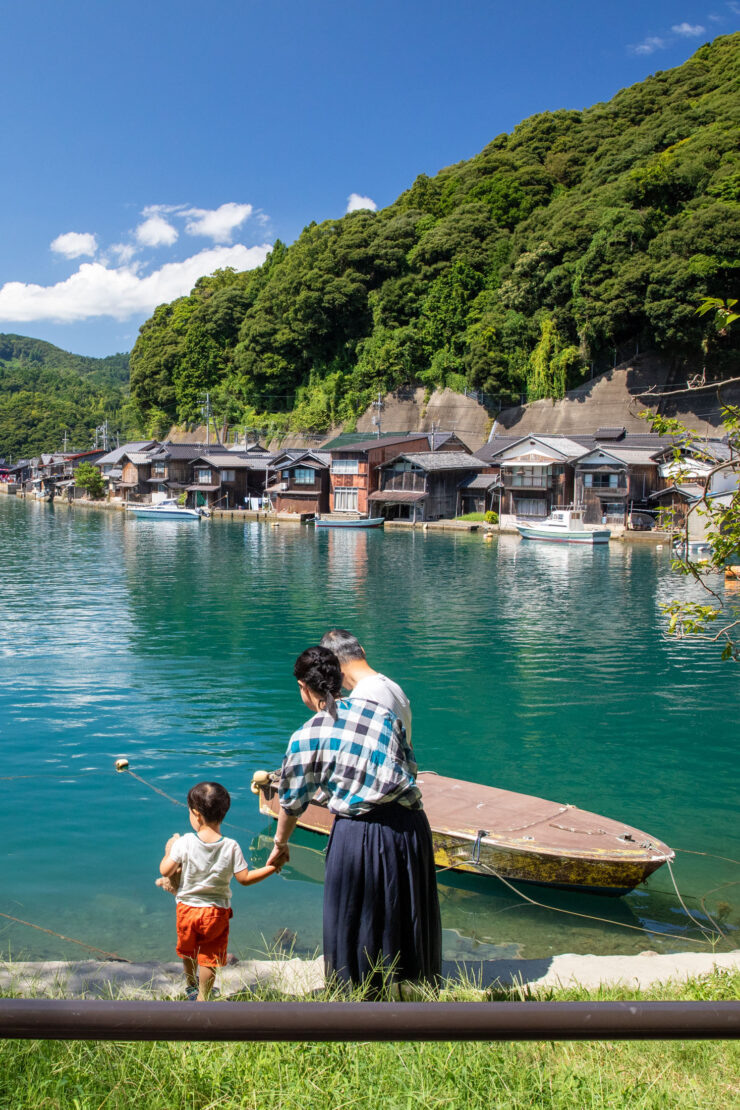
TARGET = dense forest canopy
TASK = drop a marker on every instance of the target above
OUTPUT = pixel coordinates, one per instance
(46, 392)
(557, 249)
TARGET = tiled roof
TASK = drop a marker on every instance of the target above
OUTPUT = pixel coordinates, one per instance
(369, 444)
(117, 453)
(442, 460)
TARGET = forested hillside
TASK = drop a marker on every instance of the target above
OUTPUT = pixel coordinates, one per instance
(558, 248)
(45, 392)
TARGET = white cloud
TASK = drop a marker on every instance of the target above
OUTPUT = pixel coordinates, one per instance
(355, 203)
(124, 252)
(156, 232)
(97, 290)
(649, 45)
(688, 29)
(218, 224)
(74, 244)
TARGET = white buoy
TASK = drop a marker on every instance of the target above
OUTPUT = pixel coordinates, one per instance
(122, 765)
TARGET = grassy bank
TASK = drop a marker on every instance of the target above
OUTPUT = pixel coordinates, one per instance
(47, 1075)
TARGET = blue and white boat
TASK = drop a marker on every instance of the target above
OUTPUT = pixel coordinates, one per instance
(164, 510)
(563, 526)
(349, 522)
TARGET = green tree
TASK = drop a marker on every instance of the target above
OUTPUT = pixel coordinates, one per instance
(89, 478)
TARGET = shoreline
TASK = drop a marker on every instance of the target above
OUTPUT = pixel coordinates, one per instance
(654, 538)
(300, 977)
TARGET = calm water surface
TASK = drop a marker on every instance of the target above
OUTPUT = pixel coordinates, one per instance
(535, 668)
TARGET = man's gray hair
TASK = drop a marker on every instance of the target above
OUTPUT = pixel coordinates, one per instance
(344, 645)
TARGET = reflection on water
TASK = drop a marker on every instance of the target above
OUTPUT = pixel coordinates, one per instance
(533, 667)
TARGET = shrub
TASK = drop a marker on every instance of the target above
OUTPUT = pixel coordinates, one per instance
(491, 517)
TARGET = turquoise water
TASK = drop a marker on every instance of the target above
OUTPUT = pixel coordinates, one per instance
(539, 669)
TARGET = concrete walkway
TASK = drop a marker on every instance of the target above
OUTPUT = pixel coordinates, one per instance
(92, 978)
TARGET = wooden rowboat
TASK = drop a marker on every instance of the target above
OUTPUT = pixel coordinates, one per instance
(483, 830)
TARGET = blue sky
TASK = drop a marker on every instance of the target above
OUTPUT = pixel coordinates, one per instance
(148, 143)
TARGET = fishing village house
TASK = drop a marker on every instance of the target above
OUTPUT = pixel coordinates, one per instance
(535, 472)
(228, 480)
(54, 473)
(685, 470)
(355, 466)
(300, 482)
(111, 464)
(163, 471)
(423, 485)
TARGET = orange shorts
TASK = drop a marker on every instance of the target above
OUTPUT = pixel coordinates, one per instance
(203, 933)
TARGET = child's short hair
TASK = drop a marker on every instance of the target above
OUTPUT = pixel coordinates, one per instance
(211, 800)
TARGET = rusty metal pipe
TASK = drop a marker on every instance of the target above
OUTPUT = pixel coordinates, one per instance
(42, 1019)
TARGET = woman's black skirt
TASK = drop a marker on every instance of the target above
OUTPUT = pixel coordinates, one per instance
(381, 909)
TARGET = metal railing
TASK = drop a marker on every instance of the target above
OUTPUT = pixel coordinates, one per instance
(23, 1019)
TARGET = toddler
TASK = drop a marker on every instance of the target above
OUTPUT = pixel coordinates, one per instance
(206, 861)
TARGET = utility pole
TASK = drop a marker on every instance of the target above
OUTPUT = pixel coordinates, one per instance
(206, 410)
(378, 405)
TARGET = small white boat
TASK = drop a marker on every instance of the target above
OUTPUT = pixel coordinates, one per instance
(563, 526)
(349, 522)
(165, 510)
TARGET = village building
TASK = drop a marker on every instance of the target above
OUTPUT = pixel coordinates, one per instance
(355, 475)
(111, 464)
(162, 471)
(423, 485)
(300, 482)
(227, 480)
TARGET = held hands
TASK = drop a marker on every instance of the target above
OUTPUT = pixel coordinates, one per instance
(279, 856)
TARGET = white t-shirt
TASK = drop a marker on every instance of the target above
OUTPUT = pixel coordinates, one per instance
(380, 689)
(207, 869)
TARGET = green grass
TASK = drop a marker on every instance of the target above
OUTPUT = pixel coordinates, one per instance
(47, 1075)
(472, 516)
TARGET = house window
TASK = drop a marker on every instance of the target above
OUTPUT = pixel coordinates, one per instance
(530, 477)
(228, 476)
(203, 475)
(158, 470)
(345, 466)
(303, 476)
(345, 500)
(530, 506)
(601, 481)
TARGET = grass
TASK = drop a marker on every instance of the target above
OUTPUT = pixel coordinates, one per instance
(472, 516)
(79, 1075)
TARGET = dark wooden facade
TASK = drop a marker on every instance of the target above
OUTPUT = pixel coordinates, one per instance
(355, 473)
(300, 482)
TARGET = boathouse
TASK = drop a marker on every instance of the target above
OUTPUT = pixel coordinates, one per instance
(300, 482)
(355, 472)
(424, 485)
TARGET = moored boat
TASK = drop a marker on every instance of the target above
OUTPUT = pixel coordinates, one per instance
(484, 830)
(563, 526)
(164, 510)
(349, 522)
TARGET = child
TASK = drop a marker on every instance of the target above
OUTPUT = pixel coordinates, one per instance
(206, 862)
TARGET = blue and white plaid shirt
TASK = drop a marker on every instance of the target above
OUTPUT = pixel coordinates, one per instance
(353, 764)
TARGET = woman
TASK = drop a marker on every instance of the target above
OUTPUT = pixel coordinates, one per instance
(381, 910)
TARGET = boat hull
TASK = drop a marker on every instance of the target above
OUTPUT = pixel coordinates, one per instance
(143, 511)
(362, 522)
(532, 532)
(482, 830)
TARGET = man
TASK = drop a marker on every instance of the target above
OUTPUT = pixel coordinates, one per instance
(362, 681)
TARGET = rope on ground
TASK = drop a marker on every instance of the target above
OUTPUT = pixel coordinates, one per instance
(82, 943)
(589, 916)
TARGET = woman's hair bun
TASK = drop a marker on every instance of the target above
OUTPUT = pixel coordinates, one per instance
(320, 670)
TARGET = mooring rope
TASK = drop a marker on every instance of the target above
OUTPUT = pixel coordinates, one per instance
(175, 801)
(72, 940)
(589, 916)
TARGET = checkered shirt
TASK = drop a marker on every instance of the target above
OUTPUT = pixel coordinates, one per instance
(353, 764)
